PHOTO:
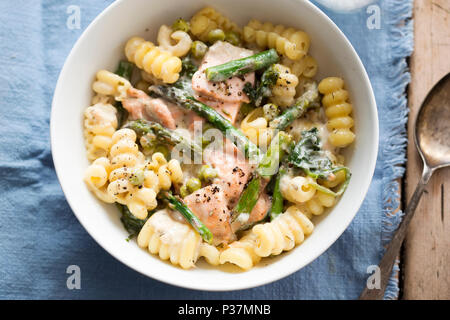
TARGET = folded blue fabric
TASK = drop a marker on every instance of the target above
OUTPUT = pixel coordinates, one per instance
(39, 235)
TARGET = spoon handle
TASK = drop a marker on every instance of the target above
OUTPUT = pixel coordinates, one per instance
(392, 250)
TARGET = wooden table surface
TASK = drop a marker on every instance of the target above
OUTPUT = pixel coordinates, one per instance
(425, 257)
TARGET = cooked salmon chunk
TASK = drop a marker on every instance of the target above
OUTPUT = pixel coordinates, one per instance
(141, 106)
(213, 204)
(225, 96)
(229, 110)
(232, 168)
(211, 207)
(260, 209)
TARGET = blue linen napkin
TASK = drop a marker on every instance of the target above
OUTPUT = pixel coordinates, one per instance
(39, 235)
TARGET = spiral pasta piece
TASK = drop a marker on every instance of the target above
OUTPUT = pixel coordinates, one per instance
(283, 92)
(157, 175)
(337, 110)
(183, 41)
(317, 204)
(125, 152)
(306, 66)
(160, 174)
(292, 43)
(300, 191)
(242, 252)
(160, 63)
(282, 233)
(124, 187)
(297, 189)
(256, 128)
(100, 123)
(175, 241)
(111, 84)
(96, 178)
(208, 19)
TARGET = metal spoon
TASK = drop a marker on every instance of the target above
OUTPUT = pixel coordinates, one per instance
(432, 139)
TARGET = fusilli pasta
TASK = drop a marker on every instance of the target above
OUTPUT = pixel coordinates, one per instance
(256, 128)
(317, 204)
(297, 189)
(160, 174)
(124, 151)
(175, 241)
(100, 123)
(96, 178)
(282, 233)
(208, 19)
(306, 66)
(337, 110)
(241, 252)
(287, 41)
(162, 64)
(283, 92)
(111, 84)
(124, 188)
(183, 41)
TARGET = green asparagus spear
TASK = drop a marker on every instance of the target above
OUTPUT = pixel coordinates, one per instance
(178, 204)
(269, 163)
(307, 100)
(267, 167)
(277, 197)
(248, 198)
(181, 94)
(221, 123)
(124, 69)
(165, 135)
(242, 66)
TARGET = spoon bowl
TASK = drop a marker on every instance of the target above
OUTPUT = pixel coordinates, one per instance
(432, 129)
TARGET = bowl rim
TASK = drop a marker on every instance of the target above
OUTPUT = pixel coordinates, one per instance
(288, 269)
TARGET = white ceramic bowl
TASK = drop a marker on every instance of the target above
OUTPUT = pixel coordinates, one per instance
(101, 46)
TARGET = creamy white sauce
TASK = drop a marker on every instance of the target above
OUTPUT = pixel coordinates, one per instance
(243, 217)
(303, 124)
(170, 229)
(176, 216)
(100, 114)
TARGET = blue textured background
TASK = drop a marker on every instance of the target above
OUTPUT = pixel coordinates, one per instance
(40, 236)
